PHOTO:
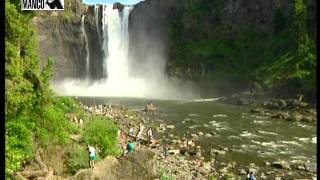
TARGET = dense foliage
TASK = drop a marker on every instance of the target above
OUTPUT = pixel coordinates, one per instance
(78, 158)
(206, 46)
(103, 134)
(35, 117)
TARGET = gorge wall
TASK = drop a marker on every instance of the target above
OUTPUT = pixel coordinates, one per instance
(227, 46)
(222, 46)
(61, 37)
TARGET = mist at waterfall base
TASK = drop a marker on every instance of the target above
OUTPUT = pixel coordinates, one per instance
(125, 75)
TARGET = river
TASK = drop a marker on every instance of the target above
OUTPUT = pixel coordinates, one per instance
(250, 138)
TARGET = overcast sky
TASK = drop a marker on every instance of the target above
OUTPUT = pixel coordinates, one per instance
(111, 1)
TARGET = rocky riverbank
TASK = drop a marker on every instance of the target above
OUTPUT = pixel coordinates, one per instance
(185, 159)
(290, 109)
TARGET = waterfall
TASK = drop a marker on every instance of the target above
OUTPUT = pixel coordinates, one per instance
(87, 45)
(96, 14)
(119, 69)
(116, 43)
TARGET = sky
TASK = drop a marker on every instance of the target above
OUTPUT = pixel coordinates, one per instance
(110, 1)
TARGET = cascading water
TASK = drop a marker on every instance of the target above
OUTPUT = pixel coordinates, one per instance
(87, 45)
(96, 13)
(116, 29)
(119, 81)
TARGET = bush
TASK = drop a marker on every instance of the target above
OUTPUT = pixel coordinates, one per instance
(68, 15)
(163, 175)
(104, 133)
(79, 158)
(55, 123)
(19, 145)
(67, 104)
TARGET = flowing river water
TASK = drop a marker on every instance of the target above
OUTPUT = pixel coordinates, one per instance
(250, 138)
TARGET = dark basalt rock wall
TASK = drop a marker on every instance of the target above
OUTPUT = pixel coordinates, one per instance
(181, 27)
(95, 42)
(61, 37)
(148, 22)
(157, 27)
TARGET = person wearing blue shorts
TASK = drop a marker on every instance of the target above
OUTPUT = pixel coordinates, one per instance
(92, 155)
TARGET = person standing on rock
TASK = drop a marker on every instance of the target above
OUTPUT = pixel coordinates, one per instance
(139, 136)
(251, 176)
(81, 122)
(150, 135)
(131, 146)
(92, 155)
(131, 130)
(166, 151)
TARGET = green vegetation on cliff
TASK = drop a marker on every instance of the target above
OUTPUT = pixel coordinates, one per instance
(212, 47)
(35, 117)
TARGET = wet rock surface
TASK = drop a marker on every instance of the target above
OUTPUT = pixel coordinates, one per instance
(294, 109)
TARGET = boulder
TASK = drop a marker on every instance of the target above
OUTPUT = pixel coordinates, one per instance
(200, 133)
(194, 136)
(281, 164)
(170, 126)
(263, 176)
(257, 110)
(311, 167)
(174, 151)
(150, 107)
(282, 104)
(308, 118)
(278, 178)
(223, 171)
(204, 171)
(216, 151)
(242, 102)
(281, 115)
(242, 172)
(296, 116)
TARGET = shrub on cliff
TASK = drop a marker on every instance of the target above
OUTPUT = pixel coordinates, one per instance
(32, 114)
(103, 133)
(19, 143)
(79, 158)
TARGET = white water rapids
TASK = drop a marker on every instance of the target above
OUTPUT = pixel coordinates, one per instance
(116, 66)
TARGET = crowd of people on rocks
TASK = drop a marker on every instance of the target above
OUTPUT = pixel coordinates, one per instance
(136, 138)
(128, 141)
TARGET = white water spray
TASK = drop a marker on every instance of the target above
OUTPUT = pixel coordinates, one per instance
(118, 44)
(119, 82)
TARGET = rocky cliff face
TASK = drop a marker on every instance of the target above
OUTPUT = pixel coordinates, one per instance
(61, 37)
(218, 43)
(148, 23)
(225, 45)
